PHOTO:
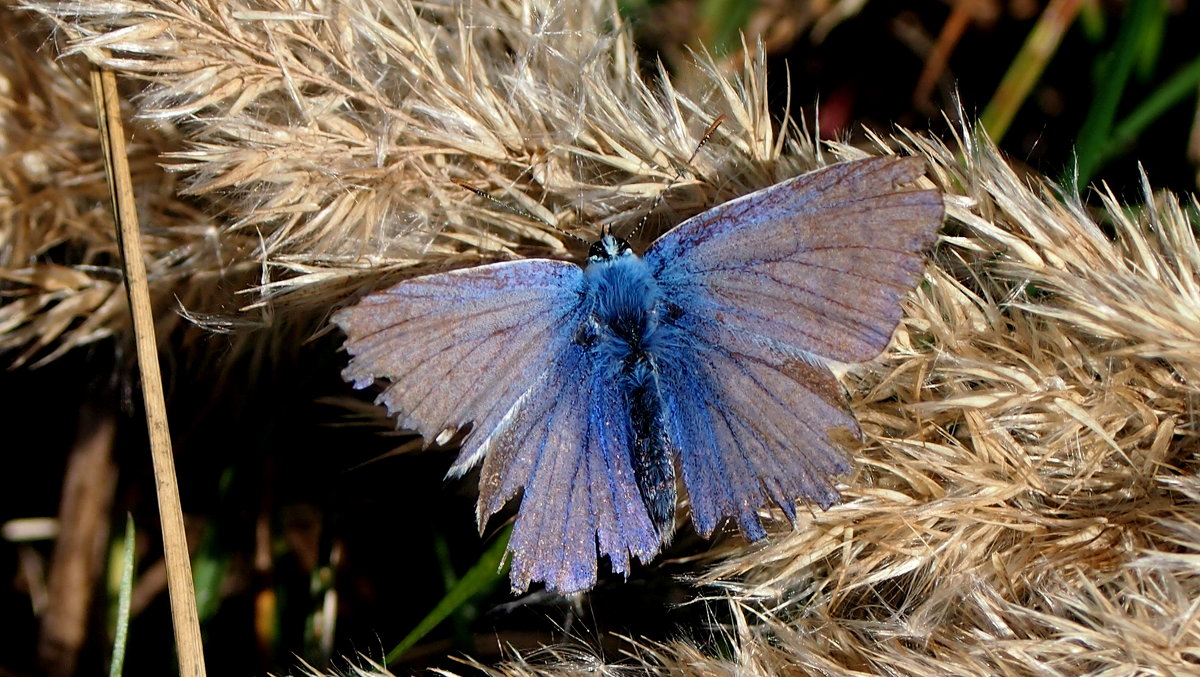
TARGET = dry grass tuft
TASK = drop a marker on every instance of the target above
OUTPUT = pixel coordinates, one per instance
(327, 140)
(59, 266)
(1027, 499)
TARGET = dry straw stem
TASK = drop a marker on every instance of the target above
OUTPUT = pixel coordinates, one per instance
(189, 648)
(1026, 502)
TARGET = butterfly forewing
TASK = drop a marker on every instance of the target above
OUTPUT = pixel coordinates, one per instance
(819, 263)
(464, 346)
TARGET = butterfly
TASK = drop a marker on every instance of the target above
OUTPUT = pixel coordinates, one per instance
(592, 390)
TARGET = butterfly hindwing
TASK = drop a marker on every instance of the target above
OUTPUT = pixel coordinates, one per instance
(569, 448)
(750, 423)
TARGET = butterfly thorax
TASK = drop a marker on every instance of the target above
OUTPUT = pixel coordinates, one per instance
(624, 296)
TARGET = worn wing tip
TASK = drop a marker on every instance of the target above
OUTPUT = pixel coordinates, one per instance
(357, 380)
(844, 435)
(900, 169)
(565, 571)
(826, 497)
(563, 583)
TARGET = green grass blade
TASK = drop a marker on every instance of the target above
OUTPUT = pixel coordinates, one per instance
(1150, 46)
(1111, 78)
(479, 579)
(121, 622)
(460, 619)
(1092, 21)
(1029, 64)
(1179, 87)
(722, 22)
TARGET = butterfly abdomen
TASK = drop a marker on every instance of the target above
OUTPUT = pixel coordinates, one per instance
(653, 467)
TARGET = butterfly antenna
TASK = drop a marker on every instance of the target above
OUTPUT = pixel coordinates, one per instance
(678, 175)
(516, 210)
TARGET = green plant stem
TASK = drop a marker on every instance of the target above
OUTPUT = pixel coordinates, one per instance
(478, 579)
(1179, 87)
(121, 636)
(1028, 66)
(1096, 132)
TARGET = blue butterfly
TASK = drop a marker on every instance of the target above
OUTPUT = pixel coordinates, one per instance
(590, 389)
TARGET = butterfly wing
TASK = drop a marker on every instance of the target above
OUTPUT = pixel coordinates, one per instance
(749, 422)
(761, 290)
(819, 262)
(465, 346)
(498, 347)
(570, 451)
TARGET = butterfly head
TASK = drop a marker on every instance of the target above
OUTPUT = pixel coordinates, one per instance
(608, 248)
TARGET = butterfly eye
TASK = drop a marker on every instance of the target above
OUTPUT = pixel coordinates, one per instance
(597, 252)
(608, 248)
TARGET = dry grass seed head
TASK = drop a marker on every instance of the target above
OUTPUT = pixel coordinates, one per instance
(1026, 438)
(327, 139)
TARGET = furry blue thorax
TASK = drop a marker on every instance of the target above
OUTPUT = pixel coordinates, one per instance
(623, 296)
